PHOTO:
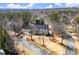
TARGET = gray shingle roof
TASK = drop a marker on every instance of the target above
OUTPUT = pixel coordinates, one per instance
(41, 27)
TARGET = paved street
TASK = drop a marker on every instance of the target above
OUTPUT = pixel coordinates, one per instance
(32, 47)
(70, 45)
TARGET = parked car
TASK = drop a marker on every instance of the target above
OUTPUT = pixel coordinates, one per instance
(2, 52)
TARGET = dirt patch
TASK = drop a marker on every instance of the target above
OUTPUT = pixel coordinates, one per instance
(23, 50)
(52, 46)
(76, 41)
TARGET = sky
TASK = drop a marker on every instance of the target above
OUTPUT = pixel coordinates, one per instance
(41, 1)
(37, 4)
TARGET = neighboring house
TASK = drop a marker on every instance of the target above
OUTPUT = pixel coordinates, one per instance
(40, 29)
(2, 52)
